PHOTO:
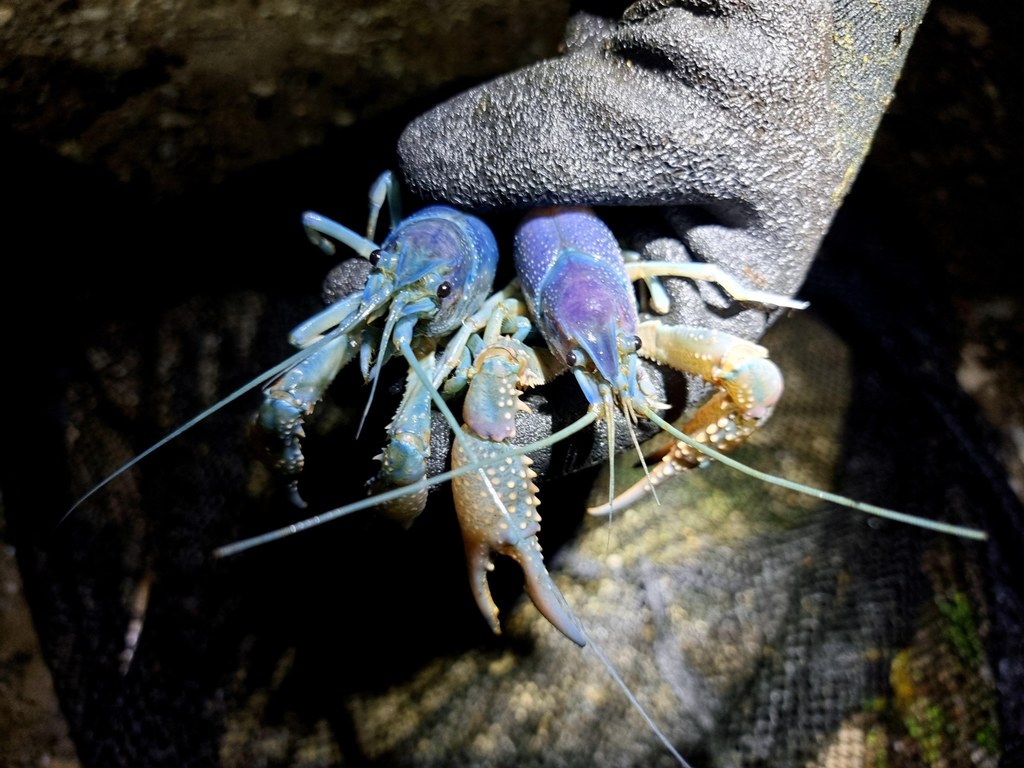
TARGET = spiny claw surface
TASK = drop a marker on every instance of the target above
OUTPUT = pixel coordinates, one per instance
(493, 400)
(487, 530)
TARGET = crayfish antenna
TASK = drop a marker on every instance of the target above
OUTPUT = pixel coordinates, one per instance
(606, 662)
(317, 226)
(861, 506)
(609, 420)
(639, 489)
(257, 381)
(389, 328)
(629, 412)
(428, 482)
(630, 420)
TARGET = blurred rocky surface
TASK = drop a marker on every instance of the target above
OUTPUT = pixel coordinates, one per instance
(178, 94)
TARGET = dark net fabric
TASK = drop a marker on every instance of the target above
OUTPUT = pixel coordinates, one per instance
(758, 627)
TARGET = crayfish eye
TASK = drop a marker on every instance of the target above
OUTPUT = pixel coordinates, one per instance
(571, 359)
(374, 257)
(637, 343)
(444, 290)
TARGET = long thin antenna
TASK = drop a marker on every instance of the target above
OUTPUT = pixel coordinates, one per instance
(860, 506)
(633, 700)
(372, 501)
(257, 381)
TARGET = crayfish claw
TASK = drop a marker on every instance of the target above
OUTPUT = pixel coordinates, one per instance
(545, 595)
(403, 462)
(538, 582)
(480, 564)
(294, 497)
(508, 529)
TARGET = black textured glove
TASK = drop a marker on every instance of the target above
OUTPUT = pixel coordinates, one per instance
(731, 128)
(738, 121)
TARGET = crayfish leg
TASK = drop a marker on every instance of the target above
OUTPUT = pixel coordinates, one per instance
(288, 400)
(749, 386)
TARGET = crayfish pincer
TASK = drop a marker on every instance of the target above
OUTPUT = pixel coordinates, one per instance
(500, 365)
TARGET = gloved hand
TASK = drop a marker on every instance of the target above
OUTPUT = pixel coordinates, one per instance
(739, 122)
(715, 114)
(730, 128)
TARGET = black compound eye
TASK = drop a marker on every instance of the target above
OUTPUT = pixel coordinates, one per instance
(637, 343)
(374, 257)
(571, 359)
(444, 290)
